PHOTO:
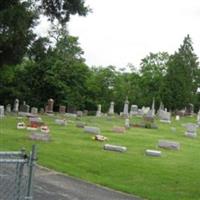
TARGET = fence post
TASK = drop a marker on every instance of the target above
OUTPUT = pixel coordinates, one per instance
(30, 173)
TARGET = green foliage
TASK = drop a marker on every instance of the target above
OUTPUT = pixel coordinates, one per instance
(181, 79)
(62, 9)
(16, 21)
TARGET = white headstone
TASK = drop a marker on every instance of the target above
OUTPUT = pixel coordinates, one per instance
(1, 111)
(111, 147)
(125, 111)
(16, 105)
(111, 109)
(98, 114)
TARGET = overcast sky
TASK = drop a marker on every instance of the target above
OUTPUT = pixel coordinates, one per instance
(119, 32)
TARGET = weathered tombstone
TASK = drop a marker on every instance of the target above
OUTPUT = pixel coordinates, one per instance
(127, 123)
(177, 117)
(111, 109)
(140, 112)
(98, 114)
(49, 108)
(34, 110)
(24, 107)
(16, 105)
(153, 107)
(118, 129)
(134, 110)
(165, 116)
(8, 108)
(1, 111)
(62, 109)
(155, 153)
(61, 122)
(93, 130)
(35, 122)
(39, 136)
(79, 113)
(41, 110)
(169, 144)
(125, 111)
(111, 147)
(191, 130)
(145, 110)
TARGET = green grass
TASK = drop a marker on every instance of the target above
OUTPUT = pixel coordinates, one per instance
(174, 176)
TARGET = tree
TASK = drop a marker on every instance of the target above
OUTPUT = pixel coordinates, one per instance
(16, 21)
(182, 76)
(152, 73)
(62, 9)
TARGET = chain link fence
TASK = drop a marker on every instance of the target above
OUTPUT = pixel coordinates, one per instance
(16, 173)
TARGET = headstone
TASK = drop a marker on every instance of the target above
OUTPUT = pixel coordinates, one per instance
(16, 105)
(93, 130)
(118, 129)
(191, 130)
(41, 110)
(153, 107)
(127, 123)
(169, 144)
(111, 147)
(34, 110)
(61, 122)
(145, 110)
(134, 110)
(165, 116)
(8, 108)
(79, 113)
(125, 111)
(177, 117)
(1, 111)
(71, 115)
(111, 109)
(24, 107)
(49, 108)
(39, 136)
(35, 122)
(62, 109)
(155, 153)
(98, 114)
(85, 112)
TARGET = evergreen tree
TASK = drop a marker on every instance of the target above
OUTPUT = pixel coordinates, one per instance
(181, 79)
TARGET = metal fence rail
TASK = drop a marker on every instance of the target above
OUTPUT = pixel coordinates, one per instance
(16, 172)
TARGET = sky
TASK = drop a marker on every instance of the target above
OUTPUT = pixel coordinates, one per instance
(118, 32)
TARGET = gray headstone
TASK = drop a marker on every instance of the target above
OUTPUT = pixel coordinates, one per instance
(191, 130)
(8, 108)
(125, 111)
(155, 153)
(98, 114)
(111, 109)
(49, 107)
(169, 144)
(1, 111)
(134, 110)
(165, 116)
(79, 113)
(34, 110)
(93, 130)
(39, 136)
(111, 147)
(60, 122)
(127, 123)
(62, 109)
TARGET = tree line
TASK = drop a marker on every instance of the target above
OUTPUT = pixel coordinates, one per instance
(34, 70)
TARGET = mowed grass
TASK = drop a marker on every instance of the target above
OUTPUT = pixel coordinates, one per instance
(174, 176)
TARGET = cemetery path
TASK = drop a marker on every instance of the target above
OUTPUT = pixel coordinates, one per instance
(52, 185)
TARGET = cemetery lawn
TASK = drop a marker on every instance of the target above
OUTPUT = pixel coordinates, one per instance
(174, 176)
